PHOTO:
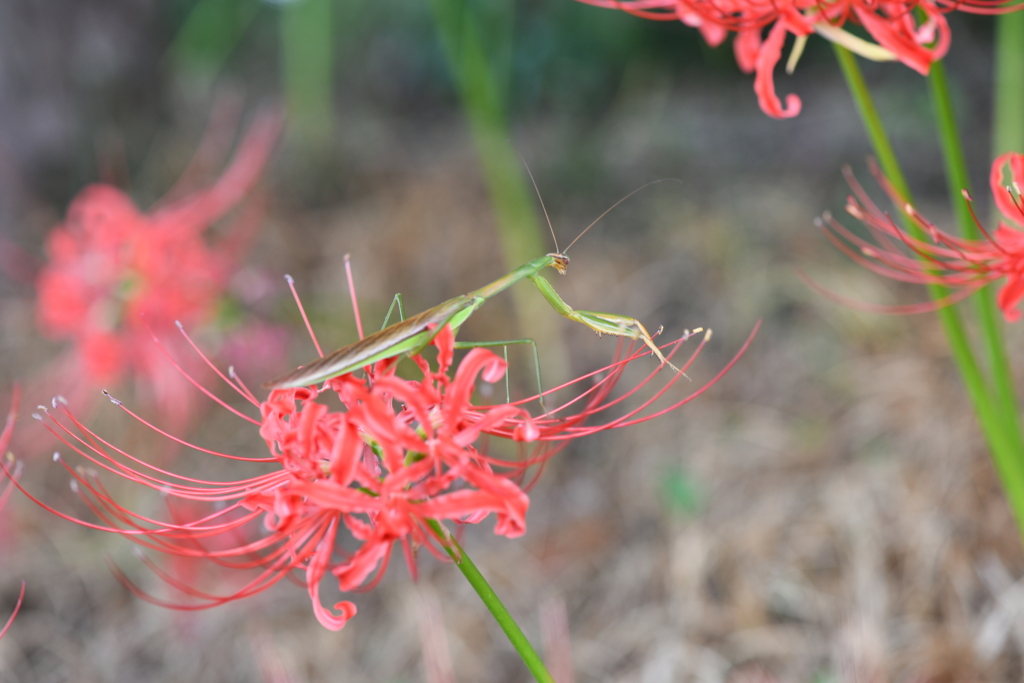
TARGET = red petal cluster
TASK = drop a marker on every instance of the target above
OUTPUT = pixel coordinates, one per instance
(115, 276)
(399, 453)
(961, 265)
(892, 23)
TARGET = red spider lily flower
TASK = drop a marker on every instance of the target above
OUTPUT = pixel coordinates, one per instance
(961, 265)
(914, 32)
(399, 456)
(115, 277)
(6, 488)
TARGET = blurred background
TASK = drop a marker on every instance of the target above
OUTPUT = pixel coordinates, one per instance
(827, 512)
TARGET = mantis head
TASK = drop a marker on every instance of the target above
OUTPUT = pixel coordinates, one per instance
(560, 262)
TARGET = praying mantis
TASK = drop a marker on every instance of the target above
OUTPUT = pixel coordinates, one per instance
(412, 335)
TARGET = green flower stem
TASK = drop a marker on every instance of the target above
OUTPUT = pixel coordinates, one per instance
(490, 598)
(872, 122)
(988, 313)
(1001, 443)
(1008, 125)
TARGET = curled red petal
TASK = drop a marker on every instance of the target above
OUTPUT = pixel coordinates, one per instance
(764, 82)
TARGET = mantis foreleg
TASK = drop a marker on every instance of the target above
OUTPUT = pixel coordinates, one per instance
(602, 323)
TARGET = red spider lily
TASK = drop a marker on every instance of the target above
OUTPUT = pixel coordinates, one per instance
(397, 458)
(6, 488)
(961, 265)
(914, 32)
(114, 276)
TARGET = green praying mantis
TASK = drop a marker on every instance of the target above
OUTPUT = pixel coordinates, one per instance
(412, 335)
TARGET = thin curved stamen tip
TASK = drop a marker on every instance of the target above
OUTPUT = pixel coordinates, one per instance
(231, 372)
(707, 335)
(290, 280)
(116, 402)
(56, 456)
(177, 323)
(909, 209)
(59, 399)
(73, 484)
(966, 195)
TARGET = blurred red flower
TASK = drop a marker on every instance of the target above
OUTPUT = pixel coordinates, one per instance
(961, 265)
(398, 456)
(116, 277)
(914, 32)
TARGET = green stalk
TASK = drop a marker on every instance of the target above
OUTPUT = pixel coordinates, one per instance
(988, 314)
(490, 598)
(209, 35)
(1008, 123)
(482, 89)
(1003, 445)
(873, 123)
(306, 65)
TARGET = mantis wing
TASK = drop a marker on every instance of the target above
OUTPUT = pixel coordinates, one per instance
(411, 334)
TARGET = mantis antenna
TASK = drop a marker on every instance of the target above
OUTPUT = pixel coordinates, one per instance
(596, 220)
(541, 200)
(608, 210)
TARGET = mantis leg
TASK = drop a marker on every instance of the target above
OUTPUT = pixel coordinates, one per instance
(602, 323)
(396, 301)
(505, 343)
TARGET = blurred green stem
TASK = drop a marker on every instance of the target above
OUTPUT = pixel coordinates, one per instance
(490, 598)
(306, 63)
(1003, 444)
(208, 36)
(482, 98)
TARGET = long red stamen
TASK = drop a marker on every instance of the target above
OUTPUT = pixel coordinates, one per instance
(302, 309)
(352, 295)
